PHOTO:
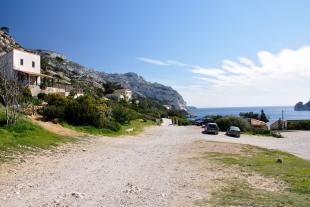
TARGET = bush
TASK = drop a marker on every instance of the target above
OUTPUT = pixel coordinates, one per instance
(27, 92)
(56, 99)
(212, 118)
(43, 85)
(298, 125)
(225, 122)
(43, 96)
(109, 124)
(36, 101)
(261, 131)
(181, 121)
(52, 112)
(89, 111)
(178, 113)
(123, 114)
(148, 107)
(81, 111)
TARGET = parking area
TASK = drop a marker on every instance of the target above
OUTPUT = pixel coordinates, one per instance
(295, 142)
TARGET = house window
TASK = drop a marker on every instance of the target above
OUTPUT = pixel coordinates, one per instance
(21, 62)
(33, 64)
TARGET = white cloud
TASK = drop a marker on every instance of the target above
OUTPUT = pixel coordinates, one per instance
(277, 79)
(164, 62)
(177, 63)
(153, 61)
(207, 71)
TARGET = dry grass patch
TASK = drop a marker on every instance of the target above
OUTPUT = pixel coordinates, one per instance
(250, 176)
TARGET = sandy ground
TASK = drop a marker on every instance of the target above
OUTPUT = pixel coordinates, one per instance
(160, 167)
(55, 128)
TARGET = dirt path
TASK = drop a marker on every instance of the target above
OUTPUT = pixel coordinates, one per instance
(55, 128)
(148, 170)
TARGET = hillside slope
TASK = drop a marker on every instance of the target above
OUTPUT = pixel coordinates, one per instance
(69, 71)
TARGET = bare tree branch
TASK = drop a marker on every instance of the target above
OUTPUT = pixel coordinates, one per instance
(11, 92)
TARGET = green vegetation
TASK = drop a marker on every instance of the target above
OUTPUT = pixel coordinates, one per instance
(26, 134)
(265, 132)
(100, 116)
(262, 116)
(136, 125)
(226, 121)
(124, 114)
(180, 121)
(270, 163)
(298, 125)
(240, 193)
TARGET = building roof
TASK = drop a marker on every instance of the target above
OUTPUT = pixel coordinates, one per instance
(33, 73)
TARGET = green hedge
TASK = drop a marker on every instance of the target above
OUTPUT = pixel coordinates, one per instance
(298, 125)
(225, 122)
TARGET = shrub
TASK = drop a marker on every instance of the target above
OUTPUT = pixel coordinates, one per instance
(183, 122)
(81, 111)
(72, 93)
(109, 124)
(212, 118)
(56, 99)
(266, 132)
(298, 125)
(27, 92)
(225, 122)
(123, 114)
(43, 96)
(52, 112)
(262, 116)
(36, 101)
(261, 131)
(43, 85)
(178, 113)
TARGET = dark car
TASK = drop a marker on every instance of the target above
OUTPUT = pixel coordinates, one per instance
(198, 122)
(211, 128)
(233, 131)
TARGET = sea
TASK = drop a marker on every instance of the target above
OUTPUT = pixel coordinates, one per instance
(273, 112)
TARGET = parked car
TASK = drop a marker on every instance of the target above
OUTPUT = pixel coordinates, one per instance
(233, 131)
(212, 128)
(198, 122)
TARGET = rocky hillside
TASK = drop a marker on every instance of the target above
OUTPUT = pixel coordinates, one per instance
(300, 106)
(70, 72)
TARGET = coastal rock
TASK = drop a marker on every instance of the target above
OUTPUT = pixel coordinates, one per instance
(300, 106)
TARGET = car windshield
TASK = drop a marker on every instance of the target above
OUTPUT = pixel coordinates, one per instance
(212, 126)
(234, 129)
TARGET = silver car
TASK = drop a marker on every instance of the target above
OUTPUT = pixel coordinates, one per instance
(212, 128)
(233, 131)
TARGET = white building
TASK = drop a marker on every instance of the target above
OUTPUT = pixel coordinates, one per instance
(124, 94)
(28, 67)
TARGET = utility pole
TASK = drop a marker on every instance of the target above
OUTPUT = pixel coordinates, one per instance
(282, 115)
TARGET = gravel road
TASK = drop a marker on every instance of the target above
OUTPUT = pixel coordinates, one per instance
(154, 168)
(146, 170)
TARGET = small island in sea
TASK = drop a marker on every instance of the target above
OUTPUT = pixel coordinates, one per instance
(300, 106)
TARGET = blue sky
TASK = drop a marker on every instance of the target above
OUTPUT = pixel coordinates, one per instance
(184, 44)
